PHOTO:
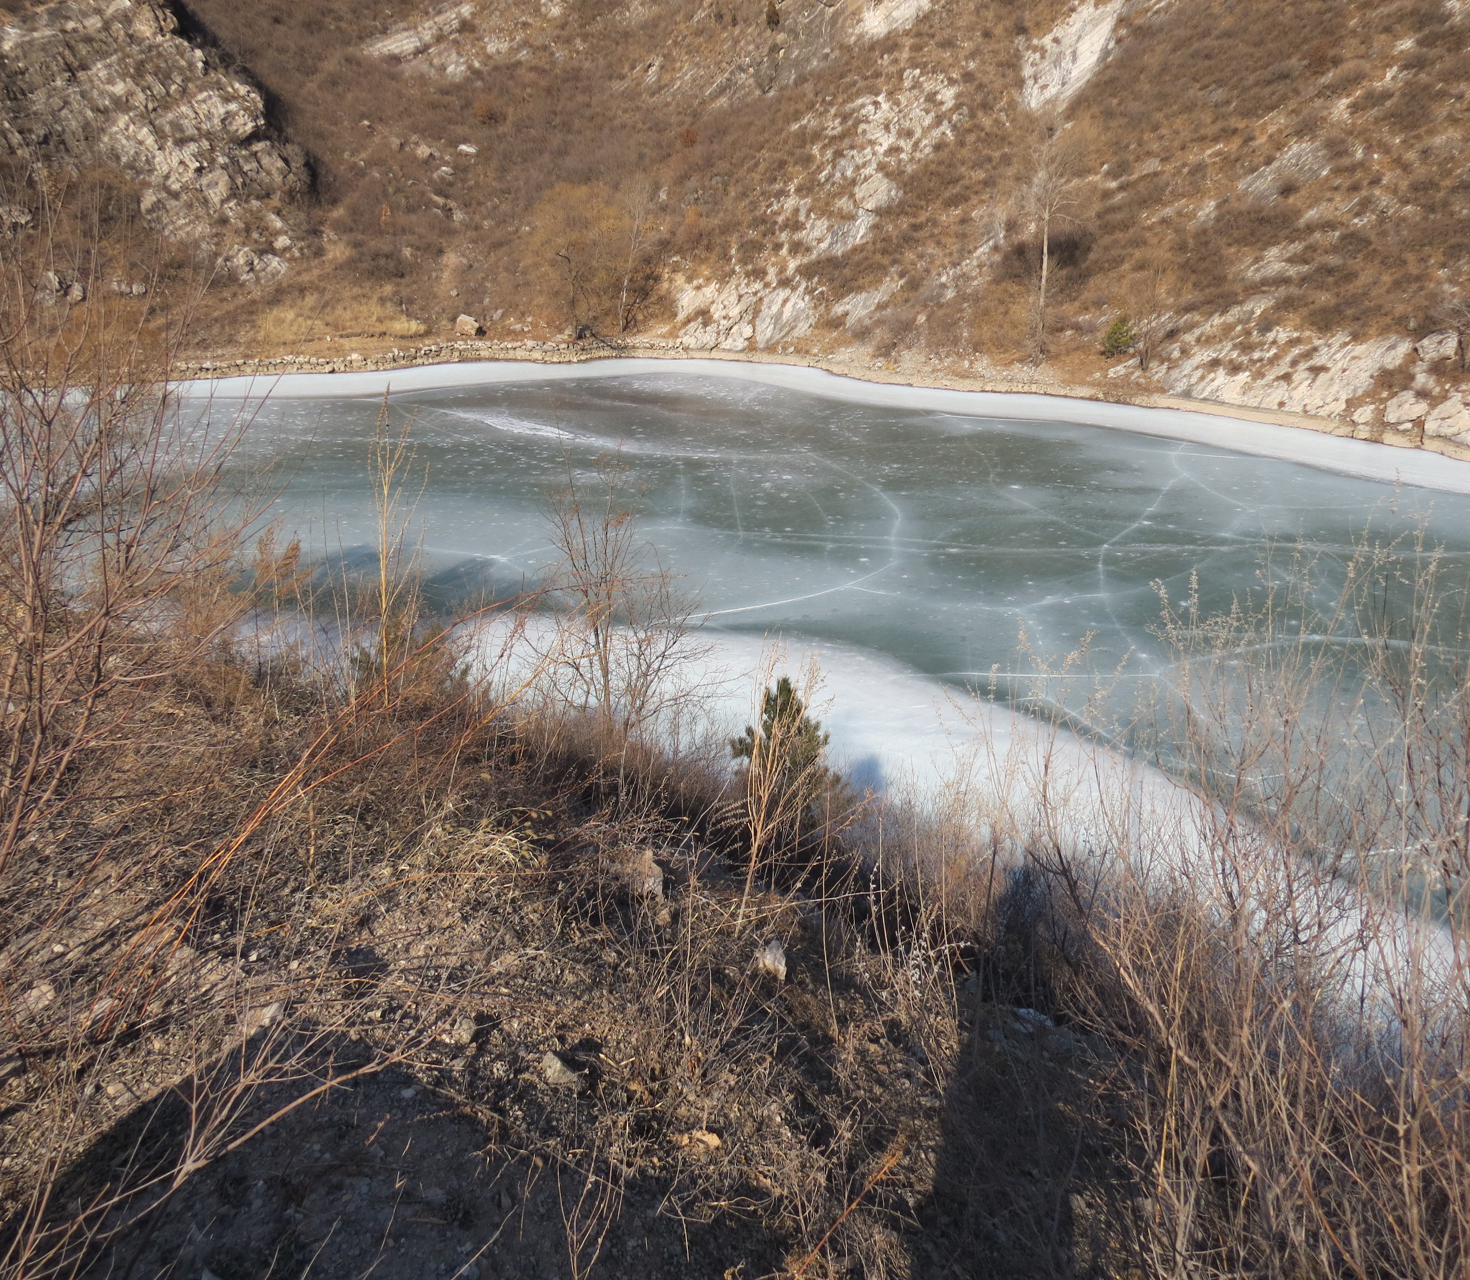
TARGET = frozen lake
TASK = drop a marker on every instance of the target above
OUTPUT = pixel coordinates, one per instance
(926, 535)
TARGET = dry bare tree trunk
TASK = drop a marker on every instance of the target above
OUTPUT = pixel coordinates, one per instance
(1053, 196)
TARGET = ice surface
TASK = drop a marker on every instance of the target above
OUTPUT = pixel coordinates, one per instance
(923, 534)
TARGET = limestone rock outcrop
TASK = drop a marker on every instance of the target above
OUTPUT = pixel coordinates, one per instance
(116, 83)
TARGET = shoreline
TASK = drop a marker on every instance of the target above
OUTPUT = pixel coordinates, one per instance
(1297, 438)
(551, 352)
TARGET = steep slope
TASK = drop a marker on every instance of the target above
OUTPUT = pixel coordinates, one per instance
(1273, 195)
(116, 85)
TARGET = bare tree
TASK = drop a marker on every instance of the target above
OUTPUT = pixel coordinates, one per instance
(114, 519)
(625, 626)
(604, 251)
(1053, 197)
(638, 200)
(1149, 312)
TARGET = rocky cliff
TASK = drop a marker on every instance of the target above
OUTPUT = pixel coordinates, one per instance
(114, 83)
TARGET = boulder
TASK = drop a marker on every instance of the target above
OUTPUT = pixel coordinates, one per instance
(468, 326)
(1443, 344)
(1405, 407)
(1449, 421)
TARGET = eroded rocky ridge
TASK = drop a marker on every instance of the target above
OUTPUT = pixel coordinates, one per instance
(115, 83)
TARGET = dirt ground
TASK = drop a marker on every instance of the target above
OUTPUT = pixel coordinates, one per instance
(569, 1075)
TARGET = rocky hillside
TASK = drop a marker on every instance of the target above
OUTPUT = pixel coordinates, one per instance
(1272, 197)
(114, 84)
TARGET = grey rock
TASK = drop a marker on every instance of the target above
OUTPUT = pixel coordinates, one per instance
(114, 82)
(557, 1074)
(462, 1032)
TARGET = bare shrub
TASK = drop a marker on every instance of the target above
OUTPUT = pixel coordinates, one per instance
(605, 250)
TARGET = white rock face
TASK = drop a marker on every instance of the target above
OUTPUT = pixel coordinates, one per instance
(1449, 421)
(887, 131)
(882, 16)
(252, 268)
(1442, 345)
(784, 314)
(113, 82)
(1059, 64)
(1336, 370)
(858, 306)
(1300, 163)
(410, 41)
(1404, 407)
(724, 315)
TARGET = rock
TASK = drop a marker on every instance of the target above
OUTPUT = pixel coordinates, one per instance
(435, 1195)
(1299, 163)
(771, 959)
(784, 314)
(468, 326)
(1404, 407)
(468, 1272)
(38, 997)
(1444, 344)
(1056, 66)
(463, 1031)
(467, 149)
(643, 876)
(207, 1274)
(409, 42)
(118, 84)
(262, 1016)
(252, 268)
(557, 1074)
(12, 218)
(1449, 421)
(1339, 370)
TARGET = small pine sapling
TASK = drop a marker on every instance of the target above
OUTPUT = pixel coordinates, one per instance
(1119, 338)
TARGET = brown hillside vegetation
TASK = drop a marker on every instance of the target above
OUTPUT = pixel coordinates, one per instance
(862, 178)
